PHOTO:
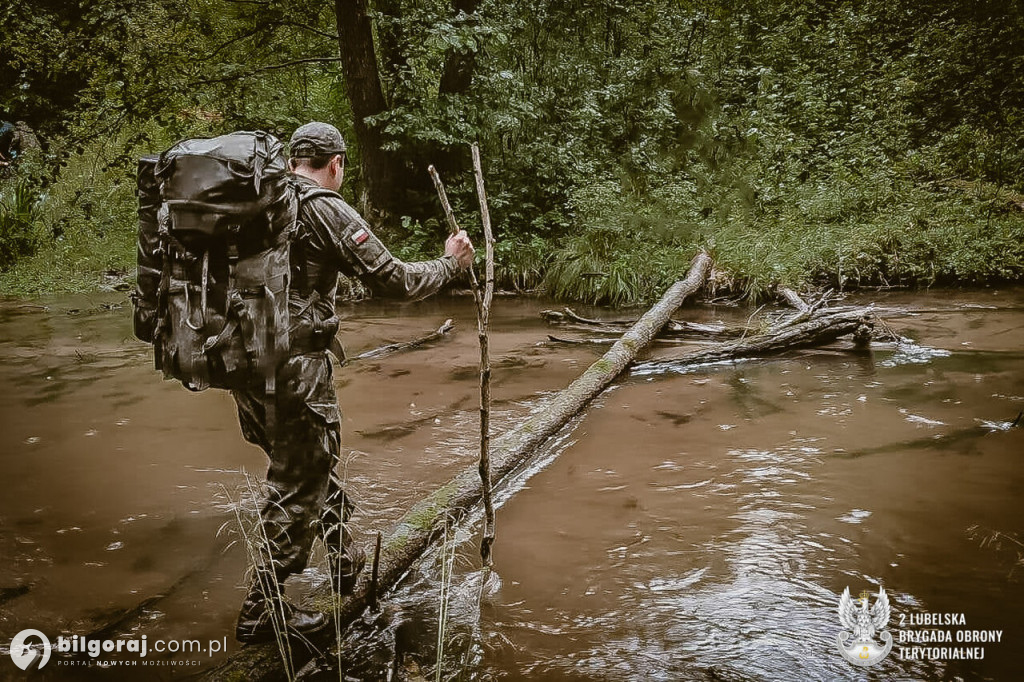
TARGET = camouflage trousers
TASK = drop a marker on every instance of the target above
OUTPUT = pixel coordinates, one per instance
(305, 498)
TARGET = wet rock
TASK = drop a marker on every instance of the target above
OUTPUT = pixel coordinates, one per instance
(9, 593)
(676, 418)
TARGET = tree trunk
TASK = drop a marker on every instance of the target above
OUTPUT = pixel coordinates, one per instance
(415, 531)
(395, 181)
(459, 64)
(366, 97)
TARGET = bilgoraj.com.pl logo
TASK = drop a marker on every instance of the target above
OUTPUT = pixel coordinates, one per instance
(26, 652)
(31, 650)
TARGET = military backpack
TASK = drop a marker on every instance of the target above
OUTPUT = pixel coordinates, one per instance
(216, 218)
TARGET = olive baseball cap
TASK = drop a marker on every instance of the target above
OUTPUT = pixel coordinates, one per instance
(316, 139)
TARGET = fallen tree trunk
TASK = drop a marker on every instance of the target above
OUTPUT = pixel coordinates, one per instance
(822, 329)
(414, 532)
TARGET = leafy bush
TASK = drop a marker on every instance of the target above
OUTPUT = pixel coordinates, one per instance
(18, 214)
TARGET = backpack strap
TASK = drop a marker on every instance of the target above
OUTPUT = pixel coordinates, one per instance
(305, 193)
(163, 290)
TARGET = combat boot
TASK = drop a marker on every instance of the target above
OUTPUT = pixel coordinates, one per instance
(345, 568)
(260, 619)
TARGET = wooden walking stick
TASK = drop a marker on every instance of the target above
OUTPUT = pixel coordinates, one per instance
(483, 310)
(485, 363)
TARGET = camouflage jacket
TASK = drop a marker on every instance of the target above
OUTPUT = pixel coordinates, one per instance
(334, 239)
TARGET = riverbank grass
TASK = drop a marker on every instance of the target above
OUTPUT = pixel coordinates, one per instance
(622, 249)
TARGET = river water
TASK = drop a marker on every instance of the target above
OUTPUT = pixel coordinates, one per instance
(696, 524)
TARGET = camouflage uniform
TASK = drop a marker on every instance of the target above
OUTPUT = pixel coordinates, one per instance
(306, 497)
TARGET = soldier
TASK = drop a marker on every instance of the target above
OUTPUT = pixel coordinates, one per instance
(15, 140)
(7, 131)
(305, 496)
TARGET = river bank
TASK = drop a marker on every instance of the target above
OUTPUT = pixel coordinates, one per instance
(749, 263)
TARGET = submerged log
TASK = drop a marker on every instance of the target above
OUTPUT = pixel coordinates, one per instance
(673, 329)
(405, 345)
(597, 341)
(418, 528)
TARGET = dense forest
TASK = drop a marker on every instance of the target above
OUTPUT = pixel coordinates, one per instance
(837, 142)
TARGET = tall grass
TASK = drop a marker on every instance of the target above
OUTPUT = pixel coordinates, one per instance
(335, 580)
(446, 558)
(251, 533)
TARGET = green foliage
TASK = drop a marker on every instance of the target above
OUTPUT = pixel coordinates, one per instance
(421, 240)
(85, 219)
(520, 263)
(847, 143)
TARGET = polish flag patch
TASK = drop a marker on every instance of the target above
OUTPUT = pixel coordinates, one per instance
(360, 236)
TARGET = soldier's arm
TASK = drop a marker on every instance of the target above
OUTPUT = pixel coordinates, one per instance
(397, 279)
(362, 254)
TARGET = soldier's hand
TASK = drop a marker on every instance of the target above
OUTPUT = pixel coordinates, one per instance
(458, 245)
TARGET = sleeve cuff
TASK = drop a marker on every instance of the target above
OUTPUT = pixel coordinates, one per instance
(452, 265)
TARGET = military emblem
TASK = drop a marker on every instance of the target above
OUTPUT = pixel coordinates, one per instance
(857, 640)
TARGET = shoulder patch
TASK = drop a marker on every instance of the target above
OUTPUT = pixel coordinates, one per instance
(360, 236)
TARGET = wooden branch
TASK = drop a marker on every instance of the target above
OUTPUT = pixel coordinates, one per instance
(596, 341)
(390, 348)
(417, 529)
(374, 573)
(449, 214)
(231, 41)
(580, 342)
(453, 228)
(570, 315)
(485, 365)
(263, 69)
(792, 298)
(311, 29)
(804, 311)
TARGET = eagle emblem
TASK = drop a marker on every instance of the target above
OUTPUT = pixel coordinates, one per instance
(857, 640)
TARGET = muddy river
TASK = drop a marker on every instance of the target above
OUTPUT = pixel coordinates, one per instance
(697, 524)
